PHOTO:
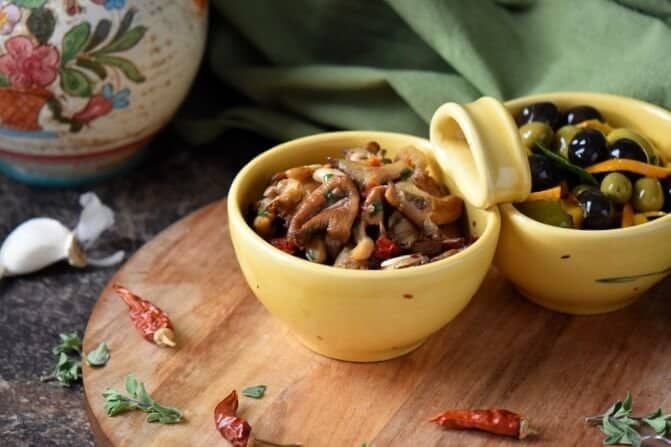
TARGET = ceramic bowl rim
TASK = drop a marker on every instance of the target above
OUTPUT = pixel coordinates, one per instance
(235, 215)
(531, 225)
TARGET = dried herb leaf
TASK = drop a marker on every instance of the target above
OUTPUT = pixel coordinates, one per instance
(255, 392)
(99, 356)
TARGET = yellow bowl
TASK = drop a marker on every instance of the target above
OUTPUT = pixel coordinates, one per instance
(350, 314)
(580, 271)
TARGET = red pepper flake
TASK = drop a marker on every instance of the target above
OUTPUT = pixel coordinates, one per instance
(375, 162)
(497, 421)
(385, 248)
(284, 244)
(153, 323)
(233, 428)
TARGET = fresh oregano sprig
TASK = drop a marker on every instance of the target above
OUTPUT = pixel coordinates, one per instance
(621, 428)
(69, 355)
(116, 403)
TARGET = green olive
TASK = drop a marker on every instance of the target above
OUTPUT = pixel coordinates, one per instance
(624, 133)
(563, 137)
(648, 195)
(617, 187)
(536, 132)
(549, 212)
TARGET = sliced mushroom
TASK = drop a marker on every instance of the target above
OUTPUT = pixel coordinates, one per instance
(364, 245)
(404, 261)
(315, 250)
(368, 176)
(286, 194)
(425, 182)
(414, 157)
(446, 254)
(423, 209)
(322, 175)
(357, 154)
(345, 260)
(333, 206)
(433, 247)
(301, 173)
(372, 213)
(402, 230)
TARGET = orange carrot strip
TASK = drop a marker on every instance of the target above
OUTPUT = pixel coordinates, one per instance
(546, 194)
(627, 215)
(624, 164)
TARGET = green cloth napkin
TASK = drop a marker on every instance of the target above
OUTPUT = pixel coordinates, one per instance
(315, 65)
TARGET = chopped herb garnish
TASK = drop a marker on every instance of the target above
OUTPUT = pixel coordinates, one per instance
(406, 173)
(116, 403)
(329, 195)
(376, 207)
(310, 255)
(255, 392)
(327, 177)
(262, 212)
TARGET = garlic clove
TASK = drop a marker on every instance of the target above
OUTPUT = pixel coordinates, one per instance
(35, 244)
(40, 242)
(95, 218)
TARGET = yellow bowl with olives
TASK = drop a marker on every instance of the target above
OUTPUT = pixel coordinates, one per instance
(592, 235)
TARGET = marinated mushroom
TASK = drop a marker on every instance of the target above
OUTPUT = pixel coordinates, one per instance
(423, 209)
(372, 213)
(367, 176)
(332, 207)
(362, 211)
(402, 230)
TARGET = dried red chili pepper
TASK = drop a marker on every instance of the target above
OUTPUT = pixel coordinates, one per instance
(385, 248)
(284, 244)
(233, 428)
(497, 421)
(153, 323)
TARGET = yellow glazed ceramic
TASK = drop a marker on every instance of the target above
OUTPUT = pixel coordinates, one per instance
(588, 272)
(352, 314)
(481, 152)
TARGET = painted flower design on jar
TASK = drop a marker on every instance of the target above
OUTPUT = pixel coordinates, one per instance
(91, 77)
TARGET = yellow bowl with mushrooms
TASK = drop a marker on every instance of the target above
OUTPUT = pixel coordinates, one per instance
(369, 310)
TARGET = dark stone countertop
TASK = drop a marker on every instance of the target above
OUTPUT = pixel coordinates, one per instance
(172, 182)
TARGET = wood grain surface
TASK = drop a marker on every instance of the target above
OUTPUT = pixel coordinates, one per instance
(501, 351)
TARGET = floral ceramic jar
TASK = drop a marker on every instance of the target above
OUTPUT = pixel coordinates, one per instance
(85, 84)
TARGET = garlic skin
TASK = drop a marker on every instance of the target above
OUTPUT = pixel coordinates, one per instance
(42, 241)
(34, 245)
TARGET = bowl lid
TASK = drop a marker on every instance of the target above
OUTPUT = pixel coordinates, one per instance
(479, 147)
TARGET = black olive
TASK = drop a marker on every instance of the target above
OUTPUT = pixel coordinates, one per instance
(544, 174)
(666, 186)
(544, 112)
(579, 114)
(587, 147)
(598, 211)
(626, 148)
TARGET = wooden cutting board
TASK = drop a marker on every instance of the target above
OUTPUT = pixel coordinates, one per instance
(501, 351)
